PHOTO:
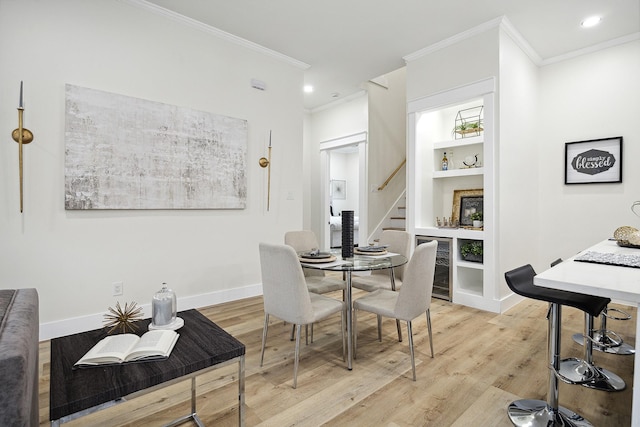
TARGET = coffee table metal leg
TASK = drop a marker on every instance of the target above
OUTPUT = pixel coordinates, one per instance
(193, 415)
(241, 391)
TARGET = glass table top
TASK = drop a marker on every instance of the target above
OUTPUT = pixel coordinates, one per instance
(358, 262)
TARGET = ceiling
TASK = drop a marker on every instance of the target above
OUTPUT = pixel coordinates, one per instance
(347, 42)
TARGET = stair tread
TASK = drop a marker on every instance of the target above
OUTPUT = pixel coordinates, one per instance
(394, 228)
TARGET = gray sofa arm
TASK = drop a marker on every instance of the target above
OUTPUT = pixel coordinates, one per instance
(19, 330)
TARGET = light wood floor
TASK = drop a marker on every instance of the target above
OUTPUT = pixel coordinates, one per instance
(482, 362)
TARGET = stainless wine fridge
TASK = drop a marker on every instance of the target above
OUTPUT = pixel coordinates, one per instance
(442, 278)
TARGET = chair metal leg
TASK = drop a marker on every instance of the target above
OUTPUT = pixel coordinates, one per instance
(297, 355)
(264, 336)
(342, 322)
(392, 275)
(379, 327)
(428, 314)
(538, 413)
(354, 317)
(413, 359)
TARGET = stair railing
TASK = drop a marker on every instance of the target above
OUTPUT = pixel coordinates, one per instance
(392, 175)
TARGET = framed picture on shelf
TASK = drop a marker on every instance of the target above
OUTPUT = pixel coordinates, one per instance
(338, 190)
(465, 204)
(593, 161)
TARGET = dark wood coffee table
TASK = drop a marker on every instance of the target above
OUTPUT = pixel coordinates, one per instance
(202, 346)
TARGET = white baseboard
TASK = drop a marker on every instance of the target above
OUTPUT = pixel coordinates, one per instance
(74, 325)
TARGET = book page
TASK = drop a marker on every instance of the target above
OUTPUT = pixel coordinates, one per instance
(112, 349)
(156, 343)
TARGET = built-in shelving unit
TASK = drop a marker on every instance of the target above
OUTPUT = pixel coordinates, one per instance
(430, 190)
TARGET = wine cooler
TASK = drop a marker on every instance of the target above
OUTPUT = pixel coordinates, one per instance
(442, 277)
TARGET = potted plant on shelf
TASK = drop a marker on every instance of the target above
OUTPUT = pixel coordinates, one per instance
(471, 250)
(476, 217)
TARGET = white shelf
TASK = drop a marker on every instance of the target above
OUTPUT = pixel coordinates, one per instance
(453, 143)
(473, 265)
(458, 233)
(430, 191)
(458, 172)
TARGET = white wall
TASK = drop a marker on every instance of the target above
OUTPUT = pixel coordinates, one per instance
(387, 146)
(589, 97)
(517, 149)
(72, 257)
(344, 166)
(464, 62)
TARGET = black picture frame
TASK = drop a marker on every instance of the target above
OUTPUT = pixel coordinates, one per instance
(594, 161)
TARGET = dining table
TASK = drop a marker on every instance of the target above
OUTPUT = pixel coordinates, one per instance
(360, 262)
(606, 269)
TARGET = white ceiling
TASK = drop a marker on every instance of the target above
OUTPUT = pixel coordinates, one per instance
(347, 42)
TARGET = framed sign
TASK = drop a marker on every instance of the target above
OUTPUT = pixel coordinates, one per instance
(466, 203)
(593, 161)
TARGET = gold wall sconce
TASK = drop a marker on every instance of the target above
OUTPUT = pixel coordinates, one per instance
(265, 162)
(22, 136)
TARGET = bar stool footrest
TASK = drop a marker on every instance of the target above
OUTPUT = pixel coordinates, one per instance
(605, 344)
(575, 371)
(623, 314)
(537, 413)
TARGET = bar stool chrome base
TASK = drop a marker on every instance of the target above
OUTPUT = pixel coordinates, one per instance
(537, 413)
(577, 371)
(608, 345)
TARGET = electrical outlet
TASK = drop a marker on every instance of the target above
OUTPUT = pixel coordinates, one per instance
(118, 288)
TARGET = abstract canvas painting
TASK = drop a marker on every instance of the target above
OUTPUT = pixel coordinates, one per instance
(129, 153)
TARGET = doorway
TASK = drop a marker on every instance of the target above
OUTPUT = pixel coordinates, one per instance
(343, 185)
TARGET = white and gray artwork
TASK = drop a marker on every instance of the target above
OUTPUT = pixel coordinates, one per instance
(129, 153)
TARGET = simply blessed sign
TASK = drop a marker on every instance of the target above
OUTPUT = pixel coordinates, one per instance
(594, 161)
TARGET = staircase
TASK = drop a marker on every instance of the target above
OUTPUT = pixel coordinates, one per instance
(397, 220)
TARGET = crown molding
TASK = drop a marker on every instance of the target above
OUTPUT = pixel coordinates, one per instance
(472, 32)
(519, 40)
(143, 4)
(504, 23)
(591, 49)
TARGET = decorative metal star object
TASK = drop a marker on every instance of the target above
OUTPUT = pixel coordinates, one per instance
(122, 320)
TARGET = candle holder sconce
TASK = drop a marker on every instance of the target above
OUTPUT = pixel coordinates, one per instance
(22, 136)
(265, 162)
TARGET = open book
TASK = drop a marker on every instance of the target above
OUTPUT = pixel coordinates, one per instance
(155, 344)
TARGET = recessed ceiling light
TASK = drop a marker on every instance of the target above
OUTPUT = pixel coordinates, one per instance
(308, 88)
(591, 21)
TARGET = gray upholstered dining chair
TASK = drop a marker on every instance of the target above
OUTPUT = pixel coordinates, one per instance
(287, 297)
(398, 242)
(318, 283)
(413, 299)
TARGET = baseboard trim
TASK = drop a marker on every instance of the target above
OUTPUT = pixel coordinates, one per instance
(74, 325)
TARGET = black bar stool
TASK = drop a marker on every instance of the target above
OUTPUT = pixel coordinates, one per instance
(530, 412)
(584, 371)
